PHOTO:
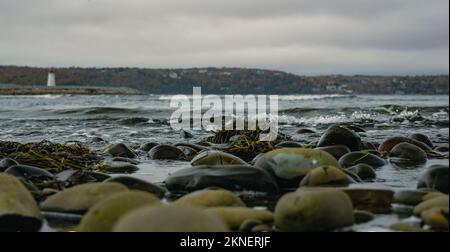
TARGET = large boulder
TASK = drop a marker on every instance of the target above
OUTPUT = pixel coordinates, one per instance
(314, 211)
(103, 216)
(361, 157)
(435, 177)
(289, 165)
(213, 157)
(18, 209)
(172, 218)
(341, 135)
(211, 198)
(81, 198)
(231, 177)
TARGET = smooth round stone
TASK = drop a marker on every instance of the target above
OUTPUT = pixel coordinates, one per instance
(405, 154)
(138, 184)
(431, 203)
(120, 150)
(288, 144)
(360, 157)
(117, 167)
(189, 152)
(148, 146)
(231, 177)
(97, 140)
(437, 218)
(363, 217)
(363, 171)
(249, 224)
(404, 227)
(196, 147)
(289, 165)
(341, 135)
(409, 197)
(6, 163)
(79, 199)
(355, 128)
(264, 228)
(77, 177)
(305, 131)
(233, 217)
(387, 146)
(18, 209)
(370, 199)
(314, 211)
(326, 176)
(422, 138)
(435, 177)
(216, 158)
(432, 195)
(103, 216)
(369, 146)
(442, 148)
(211, 198)
(126, 160)
(337, 151)
(29, 172)
(166, 152)
(170, 218)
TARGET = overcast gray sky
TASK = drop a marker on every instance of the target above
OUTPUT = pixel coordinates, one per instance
(298, 36)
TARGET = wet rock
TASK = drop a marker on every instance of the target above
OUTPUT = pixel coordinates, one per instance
(233, 217)
(231, 177)
(405, 154)
(314, 211)
(374, 200)
(29, 173)
(184, 134)
(305, 131)
(263, 228)
(166, 152)
(341, 135)
(431, 203)
(409, 197)
(437, 218)
(435, 177)
(18, 209)
(211, 198)
(289, 165)
(77, 177)
(212, 158)
(355, 128)
(120, 150)
(363, 171)
(249, 224)
(361, 157)
(288, 144)
(6, 163)
(326, 176)
(404, 227)
(432, 195)
(103, 216)
(189, 152)
(80, 198)
(442, 148)
(369, 146)
(337, 151)
(387, 146)
(196, 147)
(363, 217)
(97, 140)
(148, 146)
(422, 138)
(138, 184)
(126, 160)
(170, 218)
(117, 167)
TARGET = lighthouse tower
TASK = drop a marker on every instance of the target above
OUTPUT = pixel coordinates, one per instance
(51, 82)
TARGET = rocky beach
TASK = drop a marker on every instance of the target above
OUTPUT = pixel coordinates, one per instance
(112, 163)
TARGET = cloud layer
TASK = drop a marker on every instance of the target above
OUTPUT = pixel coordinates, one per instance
(299, 36)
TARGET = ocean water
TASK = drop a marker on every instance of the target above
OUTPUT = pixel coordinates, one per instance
(136, 120)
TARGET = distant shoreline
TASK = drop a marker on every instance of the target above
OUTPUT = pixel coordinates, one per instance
(68, 90)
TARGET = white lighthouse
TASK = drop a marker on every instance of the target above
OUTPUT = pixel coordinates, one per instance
(51, 82)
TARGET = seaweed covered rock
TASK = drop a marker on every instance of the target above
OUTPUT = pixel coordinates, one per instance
(138, 184)
(214, 157)
(166, 152)
(326, 176)
(435, 177)
(170, 218)
(103, 216)
(231, 177)
(289, 165)
(361, 157)
(314, 211)
(363, 171)
(341, 135)
(120, 150)
(18, 209)
(81, 198)
(211, 198)
(233, 217)
(406, 154)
